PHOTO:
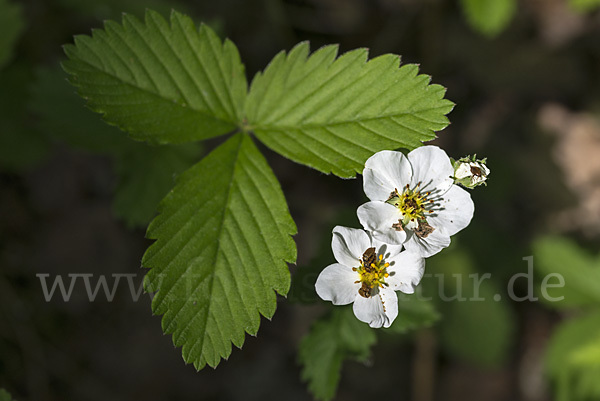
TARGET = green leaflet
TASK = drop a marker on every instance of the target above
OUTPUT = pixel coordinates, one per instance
(331, 340)
(222, 240)
(573, 359)
(333, 113)
(159, 82)
(11, 26)
(489, 17)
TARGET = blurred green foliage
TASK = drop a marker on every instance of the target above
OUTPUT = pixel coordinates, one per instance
(573, 359)
(477, 326)
(113, 9)
(145, 173)
(490, 17)
(21, 143)
(332, 339)
(584, 6)
(11, 26)
(579, 270)
(414, 312)
(5, 396)
(573, 354)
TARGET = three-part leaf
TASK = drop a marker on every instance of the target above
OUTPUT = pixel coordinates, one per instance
(159, 82)
(333, 114)
(223, 237)
(223, 233)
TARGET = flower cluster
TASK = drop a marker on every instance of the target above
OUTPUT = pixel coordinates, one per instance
(415, 206)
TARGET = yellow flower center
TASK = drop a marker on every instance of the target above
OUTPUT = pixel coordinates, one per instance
(412, 204)
(372, 272)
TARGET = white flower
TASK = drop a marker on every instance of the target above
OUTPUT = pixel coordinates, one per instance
(368, 273)
(413, 200)
(470, 172)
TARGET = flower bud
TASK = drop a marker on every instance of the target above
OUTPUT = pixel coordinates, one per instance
(470, 172)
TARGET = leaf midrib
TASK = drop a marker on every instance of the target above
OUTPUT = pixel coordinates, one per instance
(301, 126)
(220, 234)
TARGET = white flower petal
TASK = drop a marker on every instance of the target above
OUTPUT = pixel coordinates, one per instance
(486, 170)
(431, 167)
(378, 218)
(384, 172)
(349, 244)
(406, 271)
(454, 212)
(463, 171)
(390, 236)
(336, 283)
(388, 251)
(428, 246)
(379, 310)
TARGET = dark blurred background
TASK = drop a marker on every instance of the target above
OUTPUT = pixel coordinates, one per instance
(75, 196)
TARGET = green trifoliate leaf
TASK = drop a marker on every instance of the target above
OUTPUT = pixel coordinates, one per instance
(331, 340)
(414, 313)
(161, 82)
(489, 17)
(332, 113)
(11, 26)
(222, 240)
(573, 359)
(578, 271)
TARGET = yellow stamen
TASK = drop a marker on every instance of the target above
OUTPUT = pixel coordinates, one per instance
(412, 204)
(371, 275)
